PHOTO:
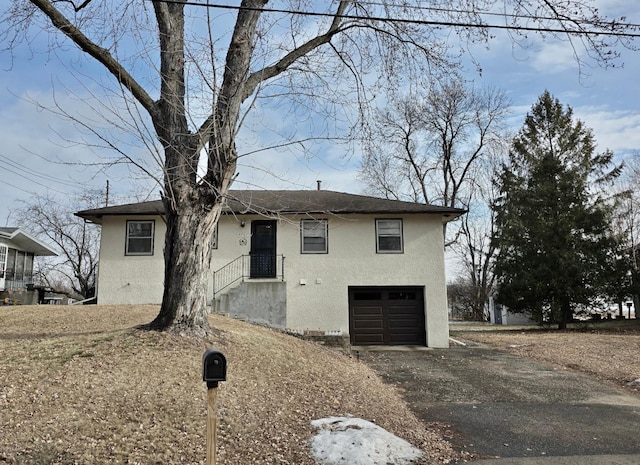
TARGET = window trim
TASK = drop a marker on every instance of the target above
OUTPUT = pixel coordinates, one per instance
(153, 233)
(324, 222)
(378, 236)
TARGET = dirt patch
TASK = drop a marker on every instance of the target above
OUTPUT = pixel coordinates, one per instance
(81, 385)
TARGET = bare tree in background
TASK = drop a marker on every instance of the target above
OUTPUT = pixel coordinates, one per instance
(73, 272)
(427, 148)
(439, 148)
(627, 224)
(189, 79)
(475, 247)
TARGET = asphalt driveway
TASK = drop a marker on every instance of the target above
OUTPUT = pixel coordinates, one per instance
(499, 405)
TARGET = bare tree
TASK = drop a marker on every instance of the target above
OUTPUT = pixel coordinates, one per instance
(74, 271)
(189, 93)
(627, 225)
(427, 149)
(475, 249)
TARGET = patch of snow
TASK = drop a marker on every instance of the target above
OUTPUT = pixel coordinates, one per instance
(354, 441)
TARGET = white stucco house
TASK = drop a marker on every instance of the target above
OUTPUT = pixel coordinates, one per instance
(315, 262)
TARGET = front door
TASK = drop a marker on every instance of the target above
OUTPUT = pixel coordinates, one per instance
(3, 264)
(263, 249)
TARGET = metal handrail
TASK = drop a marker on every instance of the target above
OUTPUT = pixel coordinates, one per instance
(248, 266)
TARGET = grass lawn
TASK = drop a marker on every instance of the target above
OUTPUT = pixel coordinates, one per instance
(81, 385)
(609, 350)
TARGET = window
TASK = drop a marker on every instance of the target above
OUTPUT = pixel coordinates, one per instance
(314, 236)
(214, 240)
(389, 236)
(140, 237)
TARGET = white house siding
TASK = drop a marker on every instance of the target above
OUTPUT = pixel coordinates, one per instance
(129, 279)
(322, 304)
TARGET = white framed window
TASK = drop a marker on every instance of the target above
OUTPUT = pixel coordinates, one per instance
(140, 237)
(314, 236)
(389, 236)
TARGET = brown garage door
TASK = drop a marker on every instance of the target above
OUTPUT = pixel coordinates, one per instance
(386, 316)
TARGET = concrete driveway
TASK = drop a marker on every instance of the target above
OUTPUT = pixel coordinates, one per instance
(501, 406)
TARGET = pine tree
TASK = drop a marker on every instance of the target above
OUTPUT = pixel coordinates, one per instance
(556, 248)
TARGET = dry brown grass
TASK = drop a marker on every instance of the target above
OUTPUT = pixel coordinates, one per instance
(80, 385)
(610, 353)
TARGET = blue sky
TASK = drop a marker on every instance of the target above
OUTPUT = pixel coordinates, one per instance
(33, 141)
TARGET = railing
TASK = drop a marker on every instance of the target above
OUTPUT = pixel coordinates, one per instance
(17, 280)
(248, 266)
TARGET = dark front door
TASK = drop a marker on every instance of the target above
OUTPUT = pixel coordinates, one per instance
(263, 249)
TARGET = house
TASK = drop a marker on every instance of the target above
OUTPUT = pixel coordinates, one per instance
(17, 252)
(315, 262)
(500, 315)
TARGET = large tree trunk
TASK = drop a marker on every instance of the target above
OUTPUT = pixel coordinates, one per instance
(566, 315)
(193, 203)
(187, 256)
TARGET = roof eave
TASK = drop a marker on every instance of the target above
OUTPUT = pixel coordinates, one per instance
(29, 243)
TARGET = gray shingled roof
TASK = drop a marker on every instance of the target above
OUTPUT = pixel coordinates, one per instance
(241, 202)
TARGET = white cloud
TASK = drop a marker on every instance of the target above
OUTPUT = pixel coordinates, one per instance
(553, 58)
(616, 130)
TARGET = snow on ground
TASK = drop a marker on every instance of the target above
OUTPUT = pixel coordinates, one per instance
(353, 441)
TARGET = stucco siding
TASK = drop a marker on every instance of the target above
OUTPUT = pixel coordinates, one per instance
(129, 279)
(316, 284)
(317, 297)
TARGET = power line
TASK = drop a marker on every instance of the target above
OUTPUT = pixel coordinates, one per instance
(32, 181)
(440, 23)
(32, 172)
(17, 173)
(510, 16)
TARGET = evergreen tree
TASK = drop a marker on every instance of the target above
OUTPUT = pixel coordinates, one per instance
(556, 248)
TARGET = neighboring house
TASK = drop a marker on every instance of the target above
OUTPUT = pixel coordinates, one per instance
(17, 252)
(313, 262)
(500, 315)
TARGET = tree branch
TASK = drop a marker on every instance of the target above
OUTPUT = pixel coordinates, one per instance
(100, 54)
(283, 64)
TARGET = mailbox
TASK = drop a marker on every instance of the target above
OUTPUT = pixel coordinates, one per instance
(214, 367)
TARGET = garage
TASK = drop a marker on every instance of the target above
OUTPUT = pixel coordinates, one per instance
(386, 316)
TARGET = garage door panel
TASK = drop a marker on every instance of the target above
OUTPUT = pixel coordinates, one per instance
(407, 323)
(387, 316)
(367, 310)
(400, 310)
(405, 339)
(368, 324)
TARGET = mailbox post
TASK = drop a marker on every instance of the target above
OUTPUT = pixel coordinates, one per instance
(214, 370)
